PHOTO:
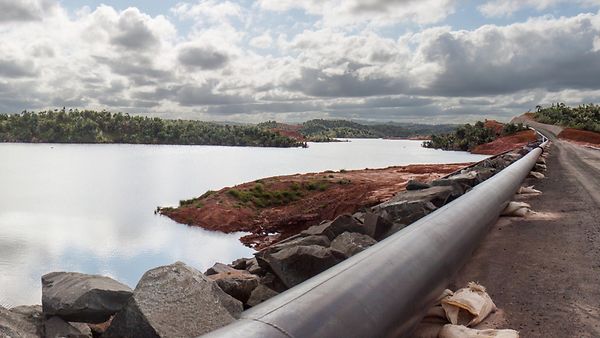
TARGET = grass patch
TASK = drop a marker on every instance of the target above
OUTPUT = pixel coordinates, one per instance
(261, 197)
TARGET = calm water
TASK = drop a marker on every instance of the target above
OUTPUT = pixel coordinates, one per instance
(89, 208)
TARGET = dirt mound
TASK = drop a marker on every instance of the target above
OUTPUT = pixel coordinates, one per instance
(494, 125)
(580, 136)
(275, 208)
(505, 143)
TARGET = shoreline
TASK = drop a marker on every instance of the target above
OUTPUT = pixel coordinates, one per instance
(274, 208)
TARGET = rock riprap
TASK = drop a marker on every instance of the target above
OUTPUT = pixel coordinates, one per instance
(78, 297)
(174, 301)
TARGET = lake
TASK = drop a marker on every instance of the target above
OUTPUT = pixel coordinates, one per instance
(90, 208)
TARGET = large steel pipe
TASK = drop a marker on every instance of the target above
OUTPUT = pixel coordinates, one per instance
(385, 290)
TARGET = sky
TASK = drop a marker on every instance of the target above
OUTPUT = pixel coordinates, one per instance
(429, 61)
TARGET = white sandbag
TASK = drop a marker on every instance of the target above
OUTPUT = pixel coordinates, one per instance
(536, 174)
(528, 190)
(468, 306)
(434, 320)
(517, 209)
(540, 167)
(459, 331)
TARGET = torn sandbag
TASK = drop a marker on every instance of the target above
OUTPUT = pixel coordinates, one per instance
(434, 320)
(518, 209)
(528, 190)
(459, 331)
(468, 306)
(536, 174)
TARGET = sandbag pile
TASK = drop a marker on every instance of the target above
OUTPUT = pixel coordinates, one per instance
(516, 209)
(528, 190)
(455, 313)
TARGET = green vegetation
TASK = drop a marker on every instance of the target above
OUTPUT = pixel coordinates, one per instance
(584, 117)
(326, 130)
(467, 137)
(261, 197)
(74, 126)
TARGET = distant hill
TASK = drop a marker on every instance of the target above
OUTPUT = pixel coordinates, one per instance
(327, 130)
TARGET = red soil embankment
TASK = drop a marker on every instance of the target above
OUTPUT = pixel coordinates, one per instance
(505, 143)
(317, 197)
(583, 137)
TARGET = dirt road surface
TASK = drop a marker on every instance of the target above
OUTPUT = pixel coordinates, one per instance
(544, 270)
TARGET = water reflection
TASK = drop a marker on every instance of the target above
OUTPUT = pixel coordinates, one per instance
(89, 208)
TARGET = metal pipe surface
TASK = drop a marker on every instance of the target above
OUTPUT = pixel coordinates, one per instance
(386, 290)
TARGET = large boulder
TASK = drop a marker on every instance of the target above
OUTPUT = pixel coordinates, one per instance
(296, 264)
(336, 227)
(409, 206)
(320, 240)
(22, 322)
(461, 182)
(219, 268)
(376, 226)
(351, 243)
(174, 301)
(416, 185)
(254, 268)
(78, 297)
(260, 294)
(238, 284)
(55, 327)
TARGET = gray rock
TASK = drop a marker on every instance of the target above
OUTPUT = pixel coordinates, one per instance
(320, 240)
(219, 268)
(260, 294)
(464, 181)
(22, 322)
(253, 267)
(239, 264)
(55, 327)
(77, 297)
(296, 264)
(437, 195)
(351, 243)
(336, 227)
(174, 301)
(238, 284)
(409, 206)
(394, 229)
(376, 226)
(416, 185)
(272, 282)
(484, 174)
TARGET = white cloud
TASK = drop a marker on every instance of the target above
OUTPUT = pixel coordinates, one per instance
(208, 10)
(374, 12)
(262, 41)
(128, 60)
(500, 8)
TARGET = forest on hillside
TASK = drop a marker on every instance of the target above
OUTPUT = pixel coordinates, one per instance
(321, 130)
(86, 126)
(584, 117)
(467, 136)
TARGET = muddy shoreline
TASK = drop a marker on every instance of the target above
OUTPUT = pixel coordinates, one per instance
(274, 208)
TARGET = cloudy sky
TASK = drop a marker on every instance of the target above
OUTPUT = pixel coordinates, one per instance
(403, 60)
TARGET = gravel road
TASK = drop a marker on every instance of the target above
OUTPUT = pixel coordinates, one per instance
(544, 270)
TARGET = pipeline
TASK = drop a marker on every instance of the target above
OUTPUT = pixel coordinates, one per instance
(386, 290)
